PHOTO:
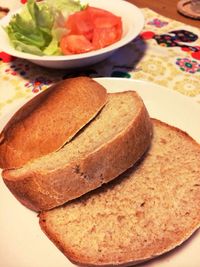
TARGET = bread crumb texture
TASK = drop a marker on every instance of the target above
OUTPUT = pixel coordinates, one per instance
(113, 119)
(117, 137)
(148, 210)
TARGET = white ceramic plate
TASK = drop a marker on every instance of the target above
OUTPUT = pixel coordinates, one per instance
(132, 20)
(23, 244)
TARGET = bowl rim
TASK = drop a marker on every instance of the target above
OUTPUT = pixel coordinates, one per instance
(128, 37)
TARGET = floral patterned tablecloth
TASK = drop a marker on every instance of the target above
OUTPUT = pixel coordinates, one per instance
(167, 52)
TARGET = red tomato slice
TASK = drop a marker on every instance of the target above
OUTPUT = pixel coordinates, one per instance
(95, 12)
(103, 37)
(64, 46)
(80, 23)
(89, 29)
(75, 44)
(118, 28)
(106, 21)
(109, 29)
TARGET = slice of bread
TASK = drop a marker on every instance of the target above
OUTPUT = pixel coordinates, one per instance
(50, 120)
(149, 210)
(117, 137)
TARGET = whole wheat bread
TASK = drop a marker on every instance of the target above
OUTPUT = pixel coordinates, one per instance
(49, 120)
(117, 137)
(149, 210)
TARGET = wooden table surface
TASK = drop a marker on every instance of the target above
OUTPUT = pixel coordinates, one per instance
(167, 8)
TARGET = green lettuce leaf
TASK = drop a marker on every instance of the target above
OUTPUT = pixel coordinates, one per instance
(19, 31)
(32, 49)
(38, 28)
(66, 5)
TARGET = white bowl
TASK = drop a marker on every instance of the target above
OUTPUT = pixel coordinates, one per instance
(132, 20)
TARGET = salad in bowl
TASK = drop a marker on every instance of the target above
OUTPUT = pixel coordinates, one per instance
(69, 33)
(62, 28)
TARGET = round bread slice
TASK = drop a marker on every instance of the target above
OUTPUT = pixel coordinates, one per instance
(49, 120)
(117, 137)
(147, 211)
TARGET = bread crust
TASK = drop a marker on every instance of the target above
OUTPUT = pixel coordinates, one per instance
(174, 235)
(49, 120)
(45, 190)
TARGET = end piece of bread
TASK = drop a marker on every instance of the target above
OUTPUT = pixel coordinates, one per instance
(49, 120)
(117, 137)
(147, 211)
